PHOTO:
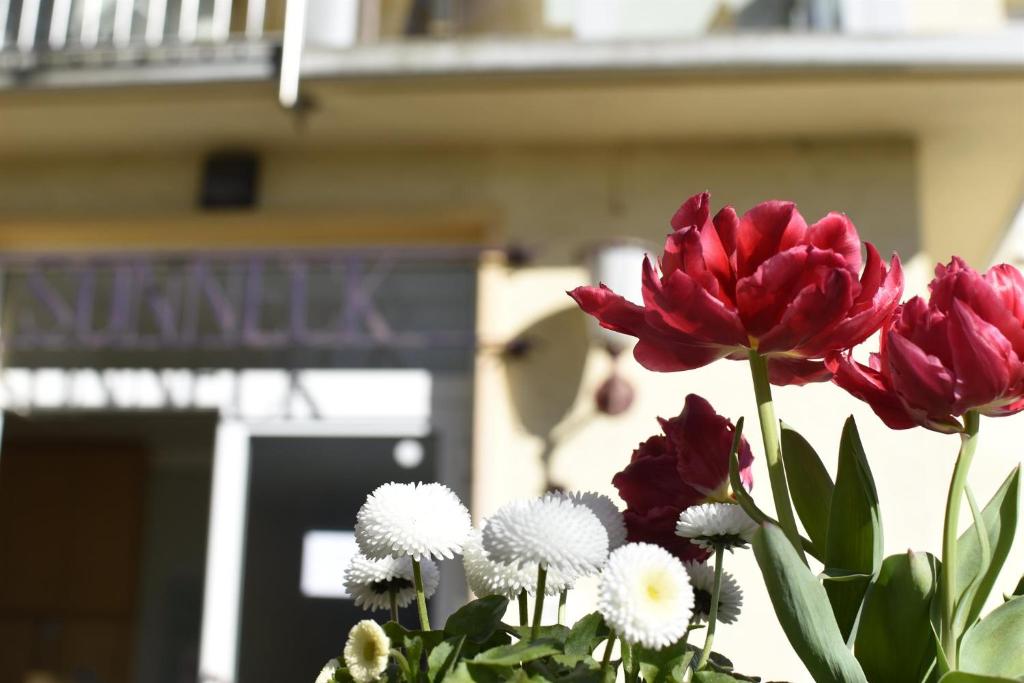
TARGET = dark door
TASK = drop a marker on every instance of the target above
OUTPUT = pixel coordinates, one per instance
(297, 485)
(70, 539)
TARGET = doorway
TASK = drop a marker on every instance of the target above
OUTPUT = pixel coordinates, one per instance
(102, 546)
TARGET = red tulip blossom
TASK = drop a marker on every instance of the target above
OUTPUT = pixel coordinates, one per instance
(763, 281)
(687, 465)
(961, 350)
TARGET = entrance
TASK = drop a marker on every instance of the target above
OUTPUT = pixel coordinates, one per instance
(102, 547)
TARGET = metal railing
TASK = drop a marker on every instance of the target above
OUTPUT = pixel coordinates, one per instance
(41, 26)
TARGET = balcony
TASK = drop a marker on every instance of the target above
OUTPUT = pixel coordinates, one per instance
(82, 43)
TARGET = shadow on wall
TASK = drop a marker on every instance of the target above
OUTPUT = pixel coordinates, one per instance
(545, 374)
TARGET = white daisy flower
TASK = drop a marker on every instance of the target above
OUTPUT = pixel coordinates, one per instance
(416, 520)
(730, 597)
(327, 673)
(366, 652)
(550, 531)
(368, 581)
(486, 577)
(607, 513)
(714, 524)
(645, 595)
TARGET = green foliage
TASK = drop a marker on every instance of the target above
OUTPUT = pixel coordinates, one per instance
(443, 657)
(995, 645)
(810, 487)
(586, 635)
(802, 608)
(854, 537)
(964, 677)
(523, 651)
(1000, 522)
(477, 620)
(894, 640)
(666, 664)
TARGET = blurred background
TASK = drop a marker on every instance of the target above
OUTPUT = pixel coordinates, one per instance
(258, 257)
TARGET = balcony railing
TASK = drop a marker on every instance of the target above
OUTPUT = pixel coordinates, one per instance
(271, 36)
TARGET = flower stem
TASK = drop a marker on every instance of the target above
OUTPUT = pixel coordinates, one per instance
(607, 658)
(947, 579)
(421, 598)
(716, 591)
(538, 605)
(524, 609)
(773, 450)
(562, 598)
(393, 599)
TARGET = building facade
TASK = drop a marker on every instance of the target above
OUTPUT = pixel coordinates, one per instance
(259, 257)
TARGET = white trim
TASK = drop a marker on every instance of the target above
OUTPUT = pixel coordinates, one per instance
(225, 554)
(754, 53)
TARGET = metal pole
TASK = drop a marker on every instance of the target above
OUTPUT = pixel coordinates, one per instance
(60, 17)
(254, 15)
(291, 52)
(27, 25)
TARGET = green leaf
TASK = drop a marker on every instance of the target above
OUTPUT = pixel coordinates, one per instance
(803, 610)
(664, 665)
(477, 620)
(854, 539)
(894, 641)
(995, 645)
(841, 575)
(555, 632)
(414, 654)
(443, 657)
(585, 635)
(398, 633)
(739, 491)
(523, 651)
(964, 677)
(706, 676)
(1019, 590)
(1000, 520)
(467, 672)
(810, 486)
(961, 612)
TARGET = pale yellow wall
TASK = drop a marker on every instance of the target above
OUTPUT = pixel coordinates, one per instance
(556, 201)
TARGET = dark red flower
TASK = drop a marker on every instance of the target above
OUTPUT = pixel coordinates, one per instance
(687, 465)
(961, 350)
(765, 281)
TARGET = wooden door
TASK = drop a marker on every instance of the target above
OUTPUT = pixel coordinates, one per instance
(70, 537)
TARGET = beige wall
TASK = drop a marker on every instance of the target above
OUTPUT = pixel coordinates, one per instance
(556, 201)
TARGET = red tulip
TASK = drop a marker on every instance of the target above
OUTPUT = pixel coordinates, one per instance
(765, 281)
(959, 351)
(687, 465)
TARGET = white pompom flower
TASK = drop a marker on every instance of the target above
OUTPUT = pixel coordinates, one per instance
(366, 651)
(369, 582)
(552, 532)
(606, 511)
(327, 673)
(716, 524)
(415, 520)
(486, 577)
(730, 597)
(645, 595)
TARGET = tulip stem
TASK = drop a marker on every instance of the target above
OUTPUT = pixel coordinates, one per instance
(538, 605)
(716, 592)
(393, 599)
(524, 609)
(562, 598)
(773, 450)
(421, 598)
(947, 585)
